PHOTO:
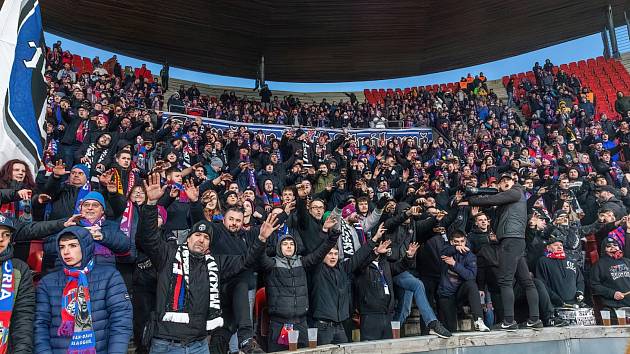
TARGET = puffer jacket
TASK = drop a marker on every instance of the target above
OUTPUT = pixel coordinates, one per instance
(21, 328)
(114, 240)
(511, 212)
(286, 281)
(111, 306)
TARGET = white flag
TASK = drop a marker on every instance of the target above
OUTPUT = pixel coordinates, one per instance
(22, 85)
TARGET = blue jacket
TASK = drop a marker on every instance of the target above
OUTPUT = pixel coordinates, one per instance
(113, 239)
(452, 277)
(111, 306)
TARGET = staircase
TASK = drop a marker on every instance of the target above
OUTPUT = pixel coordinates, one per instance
(499, 90)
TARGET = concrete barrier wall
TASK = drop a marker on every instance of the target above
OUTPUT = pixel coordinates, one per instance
(568, 340)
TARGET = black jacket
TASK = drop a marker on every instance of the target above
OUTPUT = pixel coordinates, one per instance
(331, 286)
(162, 255)
(286, 281)
(511, 212)
(562, 277)
(370, 290)
(23, 314)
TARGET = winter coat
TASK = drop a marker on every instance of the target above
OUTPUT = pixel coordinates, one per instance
(511, 212)
(371, 294)
(451, 277)
(331, 291)
(23, 314)
(111, 306)
(616, 206)
(286, 281)
(162, 255)
(114, 240)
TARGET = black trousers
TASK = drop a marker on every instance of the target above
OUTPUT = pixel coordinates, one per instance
(545, 307)
(376, 326)
(275, 327)
(144, 292)
(467, 292)
(235, 308)
(512, 265)
(330, 333)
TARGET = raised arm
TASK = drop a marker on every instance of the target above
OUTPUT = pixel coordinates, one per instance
(511, 195)
(148, 233)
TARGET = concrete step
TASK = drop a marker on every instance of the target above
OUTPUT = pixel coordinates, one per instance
(499, 89)
(216, 91)
(625, 60)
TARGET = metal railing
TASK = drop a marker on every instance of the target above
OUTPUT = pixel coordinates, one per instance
(391, 124)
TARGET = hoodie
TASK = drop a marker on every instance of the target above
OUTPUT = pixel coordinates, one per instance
(610, 275)
(562, 277)
(111, 305)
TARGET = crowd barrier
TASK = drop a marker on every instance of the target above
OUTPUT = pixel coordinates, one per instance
(565, 340)
(275, 131)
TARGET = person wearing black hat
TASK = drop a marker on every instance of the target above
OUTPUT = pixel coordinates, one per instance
(189, 297)
(18, 296)
(562, 276)
(76, 127)
(510, 224)
(606, 197)
(610, 277)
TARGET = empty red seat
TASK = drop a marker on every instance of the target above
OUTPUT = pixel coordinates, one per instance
(77, 64)
(87, 65)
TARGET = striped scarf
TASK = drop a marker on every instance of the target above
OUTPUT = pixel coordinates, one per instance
(178, 293)
(76, 311)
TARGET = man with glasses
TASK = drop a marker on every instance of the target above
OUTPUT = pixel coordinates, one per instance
(109, 239)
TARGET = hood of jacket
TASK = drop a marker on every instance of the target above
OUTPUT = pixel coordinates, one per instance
(85, 241)
(279, 246)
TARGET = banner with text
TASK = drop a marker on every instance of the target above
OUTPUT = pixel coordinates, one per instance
(276, 131)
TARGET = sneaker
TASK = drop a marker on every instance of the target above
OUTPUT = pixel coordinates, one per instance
(480, 326)
(251, 347)
(556, 322)
(503, 326)
(439, 330)
(535, 325)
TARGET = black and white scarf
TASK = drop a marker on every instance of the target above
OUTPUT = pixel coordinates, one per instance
(91, 153)
(179, 295)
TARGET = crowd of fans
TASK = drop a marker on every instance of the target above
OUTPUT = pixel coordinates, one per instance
(193, 226)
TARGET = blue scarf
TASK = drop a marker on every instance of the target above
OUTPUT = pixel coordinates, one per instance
(7, 300)
(76, 311)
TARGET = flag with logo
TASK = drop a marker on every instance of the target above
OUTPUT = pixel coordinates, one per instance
(22, 85)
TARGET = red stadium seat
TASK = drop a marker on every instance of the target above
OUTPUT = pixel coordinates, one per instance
(87, 65)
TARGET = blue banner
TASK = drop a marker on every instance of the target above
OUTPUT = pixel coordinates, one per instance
(276, 131)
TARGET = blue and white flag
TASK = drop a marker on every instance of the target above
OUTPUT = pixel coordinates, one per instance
(22, 85)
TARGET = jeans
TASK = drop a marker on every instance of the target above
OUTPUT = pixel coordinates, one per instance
(512, 265)
(415, 288)
(234, 343)
(144, 285)
(330, 333)
(376, 326)
(159, 346)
